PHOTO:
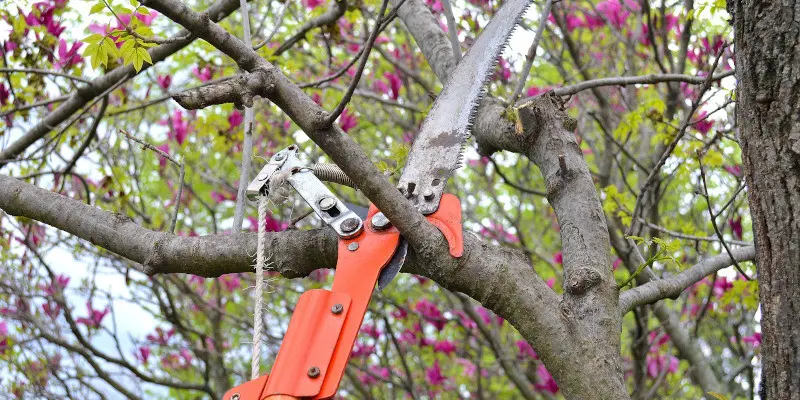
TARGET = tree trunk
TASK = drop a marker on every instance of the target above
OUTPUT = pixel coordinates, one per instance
(768, 116)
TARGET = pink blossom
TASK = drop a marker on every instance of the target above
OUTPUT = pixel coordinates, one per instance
(535, 91)
(551, 282)
(370, 330)
(272, 225)
(218, 197)
(231, 282)
(147, 19)
(394, 84)
(235, 119)
(661, 363)
(499, 232)
(433, 375)
(558, 258)
(480, 161)
(180, 128)
(444, 346)
(143, 354)
(312, 4)
(347, 121)
(162, 162)
(736, 227)
(754, 339)
(616, 263)
(545, 383)
(95, 317)
(504, 70)
(160, 336)
(204, 75)
(68, 58)
(57, 285)
(722, 285)
(525, 350)
(3, 337)
(469, 367)
(615, 12)
(4, 95)
(466, 321)
(399, 313)
(51, 311)
(361, 349)
(703, 124)
(431, 313)
(656, 344)
(164, 81)
(735, 170)
(381, 86)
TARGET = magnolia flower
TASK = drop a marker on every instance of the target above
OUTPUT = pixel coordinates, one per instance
(235, 119)
(444, 347)
(433, 375)
(431, 313)
(164, 81)
(204, 75)
(68, 58)
(546, 382)
(347, 121)
(143, 354)
(95, 317)
(231, 282)
(525, 350)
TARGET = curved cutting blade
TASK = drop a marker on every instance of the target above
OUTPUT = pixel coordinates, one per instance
(437, 149)
(393, 268)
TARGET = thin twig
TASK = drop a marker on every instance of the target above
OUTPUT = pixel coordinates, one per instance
(526, 69)
(154, 39)
(166, 155)
(714, 217)
(452, 32)
(349, 94)
(43, 72)
(92, 134)
(278, 24)
(648, 183)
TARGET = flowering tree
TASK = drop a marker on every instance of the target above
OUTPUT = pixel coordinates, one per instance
(608, 243)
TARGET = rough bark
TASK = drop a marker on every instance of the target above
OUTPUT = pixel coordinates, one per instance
(768, 117)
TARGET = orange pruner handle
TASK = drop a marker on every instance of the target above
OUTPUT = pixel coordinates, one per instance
(317, 345)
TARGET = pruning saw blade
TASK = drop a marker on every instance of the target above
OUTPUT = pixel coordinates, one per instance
(438, 148)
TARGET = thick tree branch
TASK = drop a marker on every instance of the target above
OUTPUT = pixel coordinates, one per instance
(82, 96)
(669, 288)
(313, 120)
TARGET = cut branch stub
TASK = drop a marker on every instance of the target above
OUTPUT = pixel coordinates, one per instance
(239, 90)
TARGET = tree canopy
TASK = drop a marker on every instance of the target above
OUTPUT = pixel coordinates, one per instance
(606, 216)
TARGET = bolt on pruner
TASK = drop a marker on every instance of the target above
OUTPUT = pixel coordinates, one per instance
(321, 333)
(325, 323)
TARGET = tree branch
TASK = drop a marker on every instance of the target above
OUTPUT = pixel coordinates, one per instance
(86, 94)
(671, 287)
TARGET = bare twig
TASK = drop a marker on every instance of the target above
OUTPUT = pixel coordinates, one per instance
(349, 94)
(43, 72)
(278, 23)
(526, 69)
(172, 160)
(714, 217)
(651, 178)
(452, 31)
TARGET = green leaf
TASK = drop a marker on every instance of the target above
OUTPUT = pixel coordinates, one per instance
(97, 8)
(717, 396)
(93, 38)
(144, 55)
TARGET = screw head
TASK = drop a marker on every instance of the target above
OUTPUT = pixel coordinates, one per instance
(279, 156)
(380, 222)
(350, 224)
(428, 194)
(352, 246)
(337, 309)
(313, 372)
(326, 203)
(235, 396)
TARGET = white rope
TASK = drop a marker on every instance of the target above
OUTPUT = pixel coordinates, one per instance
(261, 260)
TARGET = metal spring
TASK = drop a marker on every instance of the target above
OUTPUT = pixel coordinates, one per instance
(332, 173)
